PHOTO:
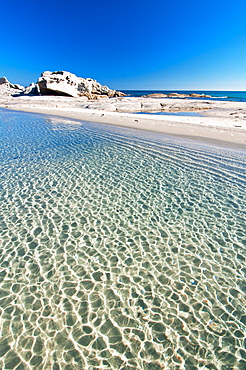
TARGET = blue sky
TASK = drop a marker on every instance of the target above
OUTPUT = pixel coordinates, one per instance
(127, 44)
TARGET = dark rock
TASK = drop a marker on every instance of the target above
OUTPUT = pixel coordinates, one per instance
(3, 80)
(32, 89)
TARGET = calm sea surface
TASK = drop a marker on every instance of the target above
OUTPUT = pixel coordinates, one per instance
(218, 95)
(119, 249)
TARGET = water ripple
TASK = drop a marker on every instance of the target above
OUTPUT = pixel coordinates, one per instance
(119, 251)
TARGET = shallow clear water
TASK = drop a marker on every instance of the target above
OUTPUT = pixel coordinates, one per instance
(190, 114)
(119, 249)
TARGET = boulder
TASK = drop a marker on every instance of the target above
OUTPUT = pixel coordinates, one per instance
(177, 95)
(194, 95)
(68, 84)
(4, 81)
(184, 96)
(17, 86)
(32, 89)
(58, 83)
(155, 95)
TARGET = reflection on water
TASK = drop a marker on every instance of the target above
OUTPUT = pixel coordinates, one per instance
(118, 252)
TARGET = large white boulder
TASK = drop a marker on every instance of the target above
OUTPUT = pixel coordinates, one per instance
(58, 83)
(68, 84)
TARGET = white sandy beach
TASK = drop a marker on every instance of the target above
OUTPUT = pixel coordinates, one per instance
(217, 122)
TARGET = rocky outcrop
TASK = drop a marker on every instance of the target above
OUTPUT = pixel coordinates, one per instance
(68, 84)
(155, 95)
(176, 95)
(32, 89)
(4, 81)
(193, 95)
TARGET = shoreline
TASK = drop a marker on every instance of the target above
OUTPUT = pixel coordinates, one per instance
(222, 123)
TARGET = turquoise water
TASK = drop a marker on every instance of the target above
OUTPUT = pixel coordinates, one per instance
(119, 249)
(189, 114)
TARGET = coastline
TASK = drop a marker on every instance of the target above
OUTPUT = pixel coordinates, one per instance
(219, 123)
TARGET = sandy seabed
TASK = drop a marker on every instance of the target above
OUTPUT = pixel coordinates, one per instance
(120, 249)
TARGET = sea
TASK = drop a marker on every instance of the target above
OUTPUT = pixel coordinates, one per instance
(120, 249)
(239, 96)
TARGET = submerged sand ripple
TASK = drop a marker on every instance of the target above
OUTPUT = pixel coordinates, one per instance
(120, 254)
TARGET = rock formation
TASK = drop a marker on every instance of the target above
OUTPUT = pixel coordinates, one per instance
(155, 95)
(68, 84)
(176, 95)
(193, 95)
(4, 81)
(32, 89)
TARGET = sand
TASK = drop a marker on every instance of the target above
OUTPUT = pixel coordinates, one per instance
(222, 123)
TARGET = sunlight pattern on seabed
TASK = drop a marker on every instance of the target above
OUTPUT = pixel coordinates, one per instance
(119, 249)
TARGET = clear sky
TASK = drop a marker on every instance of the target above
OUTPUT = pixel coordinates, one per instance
(127, 44)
